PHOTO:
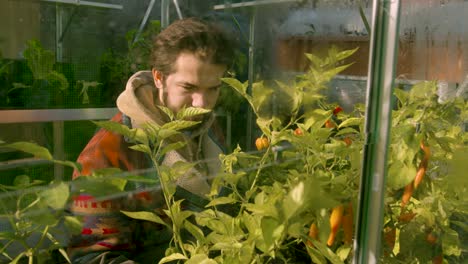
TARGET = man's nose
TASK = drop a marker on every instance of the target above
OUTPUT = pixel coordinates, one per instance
(200, 100)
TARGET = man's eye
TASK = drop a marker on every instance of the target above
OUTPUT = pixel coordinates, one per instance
(188, 88)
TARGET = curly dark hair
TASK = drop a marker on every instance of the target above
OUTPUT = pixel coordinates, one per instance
(205, 39)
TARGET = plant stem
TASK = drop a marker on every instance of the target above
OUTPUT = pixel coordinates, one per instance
(167, 199)
(260, 167)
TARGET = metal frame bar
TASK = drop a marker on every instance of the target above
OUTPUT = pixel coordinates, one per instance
(51, 115)
(252, 3)
(381, 77)
(164, 13)
(176, 5)
(251, 74)
(145, 20)
(86, 3)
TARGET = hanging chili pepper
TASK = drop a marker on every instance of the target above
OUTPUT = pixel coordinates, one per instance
(348, 224)
(262, 143)
(423, 165)
(389, 238)
(313, 234)
(407, 194)
(336, 219)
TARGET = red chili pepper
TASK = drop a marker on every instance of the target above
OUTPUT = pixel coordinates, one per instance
(337, 110)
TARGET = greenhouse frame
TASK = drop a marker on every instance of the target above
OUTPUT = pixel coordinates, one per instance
(341, 126)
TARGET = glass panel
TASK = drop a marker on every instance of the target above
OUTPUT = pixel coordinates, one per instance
(424, 202)
(300, 136)
(68, 55)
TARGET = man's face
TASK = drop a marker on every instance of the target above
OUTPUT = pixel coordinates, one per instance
(193, 83)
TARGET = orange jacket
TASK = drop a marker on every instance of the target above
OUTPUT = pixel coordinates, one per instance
(105, 228)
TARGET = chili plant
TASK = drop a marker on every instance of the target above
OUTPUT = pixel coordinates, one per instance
(33, 214)
(293, 200)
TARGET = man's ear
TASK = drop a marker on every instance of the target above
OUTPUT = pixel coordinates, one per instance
(158, 78)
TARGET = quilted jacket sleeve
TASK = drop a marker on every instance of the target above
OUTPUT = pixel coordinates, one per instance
(105, 228)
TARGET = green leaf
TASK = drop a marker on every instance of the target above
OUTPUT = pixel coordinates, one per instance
(56, 196)
(221, 200)
(347, 130)
(58, 80)
(166, 133)
(261, 97)
(31, 148)
(400, 174)
(64, 254)
(456, 178)
(172, 257)
(295, 200)
(196, 232)
(21, 180)
(172, 146)
(201, 259)
(39, 60)
(191, 111)
(237, 85)
(272, 231)
(316, 118)
(345, 54)
(343, 252)
(110, 176)
(318, 63)
(146, 216)
(167, 111)
(422, 90)
(142, 148)
(181, 167)
(450, 242)
(178, 215)
(95, 186)
(326, 252)
(328, 75)
(178, 125)
(226, 246)
(354, 121)
(73, 224)
(141, 136)
(138, 178)
(75, 165)
(316, 256)
(264, 125)
(401, 95)
(117, 128)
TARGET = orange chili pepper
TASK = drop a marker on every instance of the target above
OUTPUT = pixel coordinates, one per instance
(406, 217)
(262, 143)
(313, 234)
(329, 124)
(348, 224)
(407, 194)
(298, 132)
(423, 165)
(336, 218)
